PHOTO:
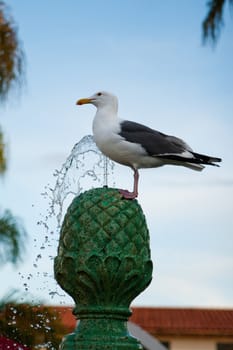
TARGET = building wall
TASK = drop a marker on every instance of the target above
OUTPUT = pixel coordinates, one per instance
(193, 344)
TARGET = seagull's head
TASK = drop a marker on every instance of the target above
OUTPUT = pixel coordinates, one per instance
(101, 99)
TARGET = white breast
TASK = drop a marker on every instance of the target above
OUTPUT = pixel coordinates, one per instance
(106, 130)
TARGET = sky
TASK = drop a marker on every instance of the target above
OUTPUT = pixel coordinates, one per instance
(150, 54)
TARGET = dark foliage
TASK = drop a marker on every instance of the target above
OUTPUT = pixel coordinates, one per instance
(11, 54)
(2, 154)
(32, 326)
(12, 238)
(214, 20)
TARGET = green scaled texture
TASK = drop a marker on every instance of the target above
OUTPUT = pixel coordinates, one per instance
(103, 262)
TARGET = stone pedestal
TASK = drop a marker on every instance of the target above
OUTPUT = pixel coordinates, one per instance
(103, 262)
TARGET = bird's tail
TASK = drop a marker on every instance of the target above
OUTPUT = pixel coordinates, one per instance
(196, 162)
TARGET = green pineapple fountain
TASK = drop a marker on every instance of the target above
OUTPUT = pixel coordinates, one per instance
(103, 262)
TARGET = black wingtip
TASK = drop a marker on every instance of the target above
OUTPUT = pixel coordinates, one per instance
(208, 160)
(218, 160)
(212, 161)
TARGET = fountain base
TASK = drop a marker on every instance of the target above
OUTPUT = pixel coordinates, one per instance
(101, 333)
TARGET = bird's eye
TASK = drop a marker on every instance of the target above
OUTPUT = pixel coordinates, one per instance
(99, 94)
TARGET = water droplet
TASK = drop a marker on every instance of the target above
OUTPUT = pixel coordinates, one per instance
(84, 168)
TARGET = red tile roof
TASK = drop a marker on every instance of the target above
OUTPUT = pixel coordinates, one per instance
(172, 321)
(67, 318)
(184, 321)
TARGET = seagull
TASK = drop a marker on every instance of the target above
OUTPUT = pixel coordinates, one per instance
(135, 145)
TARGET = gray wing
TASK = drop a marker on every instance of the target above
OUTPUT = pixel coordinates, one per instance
(154, 142)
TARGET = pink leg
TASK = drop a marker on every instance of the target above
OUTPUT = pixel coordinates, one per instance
(131, 195)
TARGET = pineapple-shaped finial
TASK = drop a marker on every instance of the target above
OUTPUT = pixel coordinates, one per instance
(103, 262)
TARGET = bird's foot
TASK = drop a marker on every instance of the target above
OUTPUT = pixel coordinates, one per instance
(128, 195)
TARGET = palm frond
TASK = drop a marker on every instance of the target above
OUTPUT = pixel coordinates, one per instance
(213, 22)
(2, 154)
(12, 238)
(11, 54)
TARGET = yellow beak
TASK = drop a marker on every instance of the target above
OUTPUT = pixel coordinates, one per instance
(83, 101)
